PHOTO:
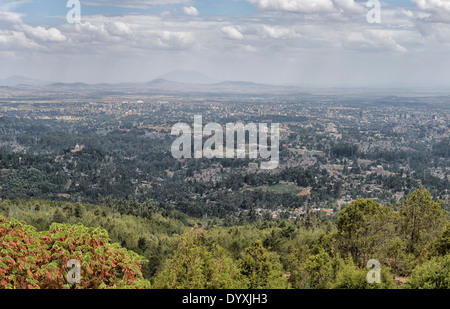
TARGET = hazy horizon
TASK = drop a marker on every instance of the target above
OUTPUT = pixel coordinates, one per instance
(17, 80)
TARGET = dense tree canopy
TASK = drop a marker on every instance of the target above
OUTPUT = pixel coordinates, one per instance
(176, 251)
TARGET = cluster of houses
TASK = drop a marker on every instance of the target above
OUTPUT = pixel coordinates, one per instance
(297, 212)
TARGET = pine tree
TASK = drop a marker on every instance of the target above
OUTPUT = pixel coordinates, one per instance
(262, 268)
(195, 265)
(421, 220)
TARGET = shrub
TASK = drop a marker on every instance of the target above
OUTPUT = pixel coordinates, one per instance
(433, 274)
(30, 259)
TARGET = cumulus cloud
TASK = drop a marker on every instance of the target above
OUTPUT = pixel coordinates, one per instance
(42, 34)
(433, 4)
(435, 10)
(278, 32)
(248, 48)
(118, 28)
(8, 19)
(16, 33)
(312, 6)
(435, 32)
(431, 18)
(14, 40)
(232, 32)
(349, 6)
(89, 32)
(140, 4)
(171, 39)
(302, 6)
(375, 41)
(191, 11)
(129, 34)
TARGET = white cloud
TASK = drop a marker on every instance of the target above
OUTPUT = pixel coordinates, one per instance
(42, 34)
(350, 6)
(10, 18)
(433, 4)
(435, 32)
(278, 32)
(171, 39)
(312, 6)
(191, 11)
(15, 40)
(140, 4)
(249, 48)
(118, 28)
(18, 33)
(122, 35)
(374, 40)
(431, 18)
(232, 33)
(302, 6)
(435, 10)
(89, 32)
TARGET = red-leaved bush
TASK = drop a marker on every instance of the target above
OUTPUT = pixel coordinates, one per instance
(30, 259)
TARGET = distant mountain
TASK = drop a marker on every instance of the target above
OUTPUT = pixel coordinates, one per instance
(70, 85)
(188, 77)
(21, 80)
(183, 82)
(227, 87)
(158, 81)
(240, 83)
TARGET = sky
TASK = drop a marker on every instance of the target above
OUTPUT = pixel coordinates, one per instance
(319, 43)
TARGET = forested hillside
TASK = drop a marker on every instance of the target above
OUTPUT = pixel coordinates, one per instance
(167, 249)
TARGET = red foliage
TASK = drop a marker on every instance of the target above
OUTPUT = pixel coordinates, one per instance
(39, 260)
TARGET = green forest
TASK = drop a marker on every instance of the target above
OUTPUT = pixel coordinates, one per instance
(133, 244)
